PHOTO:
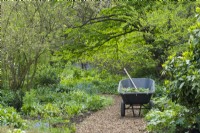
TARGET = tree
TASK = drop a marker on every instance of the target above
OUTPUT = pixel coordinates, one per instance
(75, 35)
(133, 34)
(29, 31)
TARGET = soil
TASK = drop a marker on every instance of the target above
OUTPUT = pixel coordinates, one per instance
(109, 120)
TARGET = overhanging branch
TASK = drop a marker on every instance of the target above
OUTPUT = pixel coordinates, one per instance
(101, 19)
(98, 45)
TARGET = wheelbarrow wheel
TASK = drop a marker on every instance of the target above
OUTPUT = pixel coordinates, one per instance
(151, 104)
(122, 108)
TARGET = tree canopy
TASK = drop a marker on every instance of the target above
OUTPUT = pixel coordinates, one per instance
(131, 34)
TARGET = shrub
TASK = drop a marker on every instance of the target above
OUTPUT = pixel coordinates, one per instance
(73, 109)
(166, 116)
(30, 102)
(107, 86)
(47, 75)
(9, 117)
(185, 76)
(6, 97)
(69, 104)
(97, 102)
(183, 72)
(78, 96)
(101, 82)
(50, 110)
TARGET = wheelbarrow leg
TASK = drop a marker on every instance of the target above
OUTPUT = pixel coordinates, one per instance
(133, 110)
(140, 110)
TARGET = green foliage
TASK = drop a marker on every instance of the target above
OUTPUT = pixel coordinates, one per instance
(107, 35)
(30, 102)
(73, 108)
(50, 110)
(142, 90)
(9, 117)
(6, 129)
(32, 105)
(160, 89)
(30, 30)
(107, 86)
(184, 83)
(1, 73)
(6, 97)
(166, 117)
(43, 126)
(57, 108)
(69, 104)
(91, 81)
(184, 73)
(47, 75)
(132, 34)
(11, 98)
(78, 96)
(97, 102)
(16, 131)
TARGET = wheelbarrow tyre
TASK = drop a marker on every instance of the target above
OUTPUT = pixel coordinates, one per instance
(122, 109)
(151, 104)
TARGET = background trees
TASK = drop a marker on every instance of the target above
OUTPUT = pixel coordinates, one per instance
(29, 30)
(132, 35)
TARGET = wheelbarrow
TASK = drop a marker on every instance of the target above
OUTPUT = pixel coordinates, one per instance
(141, 99)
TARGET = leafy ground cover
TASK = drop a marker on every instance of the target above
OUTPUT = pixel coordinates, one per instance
(50, 111)
(91, 81)
(55, 106)
(10, 117)
(168, 115)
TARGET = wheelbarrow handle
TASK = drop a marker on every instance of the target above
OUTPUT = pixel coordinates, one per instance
(130, 78)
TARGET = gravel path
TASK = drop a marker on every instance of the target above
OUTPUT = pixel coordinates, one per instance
(109, 120)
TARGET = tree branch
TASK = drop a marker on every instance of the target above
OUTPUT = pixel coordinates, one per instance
(100, 19)
(8, 20)
(101, 43)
